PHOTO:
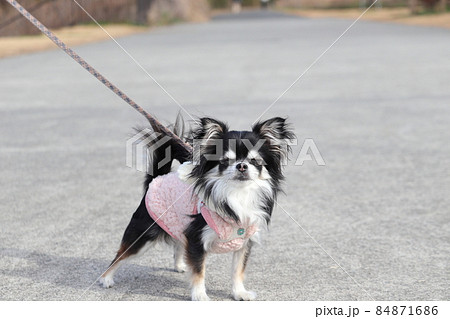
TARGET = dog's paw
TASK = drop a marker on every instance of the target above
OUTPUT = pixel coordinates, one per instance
(199, 294)
(106, 282)
(181, 268)
(244, 295)
(200, 297)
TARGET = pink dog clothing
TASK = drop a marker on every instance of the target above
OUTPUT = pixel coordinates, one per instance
(170, 202)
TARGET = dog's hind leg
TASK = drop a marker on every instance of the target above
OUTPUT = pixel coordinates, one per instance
(139, 235)
(178, 256)
(125, 251)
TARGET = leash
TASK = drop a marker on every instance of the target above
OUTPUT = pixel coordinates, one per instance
(156, 125)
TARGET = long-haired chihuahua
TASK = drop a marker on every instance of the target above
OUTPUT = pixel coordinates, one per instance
(217, 201)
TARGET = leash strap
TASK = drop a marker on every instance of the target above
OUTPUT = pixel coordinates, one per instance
(156, 125)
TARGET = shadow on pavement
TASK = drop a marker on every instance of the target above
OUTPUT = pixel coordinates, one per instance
(79, 273)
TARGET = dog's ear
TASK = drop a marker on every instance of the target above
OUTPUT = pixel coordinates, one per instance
(273, 129)
(276, 132)
(210, 129)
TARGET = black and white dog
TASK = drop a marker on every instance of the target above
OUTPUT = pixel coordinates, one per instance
(215, 202)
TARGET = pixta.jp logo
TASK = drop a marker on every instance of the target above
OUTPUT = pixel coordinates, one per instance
(141, 146)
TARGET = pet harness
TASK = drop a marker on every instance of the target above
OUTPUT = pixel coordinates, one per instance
(171, 204)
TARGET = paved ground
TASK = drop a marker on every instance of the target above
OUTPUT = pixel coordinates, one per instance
(376, 106)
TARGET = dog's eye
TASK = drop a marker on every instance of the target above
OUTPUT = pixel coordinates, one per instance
(224, 161)
(256, 162)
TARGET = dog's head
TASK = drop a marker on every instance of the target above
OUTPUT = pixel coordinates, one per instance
(228, 163)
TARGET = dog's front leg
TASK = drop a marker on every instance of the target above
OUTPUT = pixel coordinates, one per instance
(198, 291)
(240, 259)
(195, 257)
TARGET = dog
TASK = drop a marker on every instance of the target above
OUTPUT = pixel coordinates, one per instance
(217, 201)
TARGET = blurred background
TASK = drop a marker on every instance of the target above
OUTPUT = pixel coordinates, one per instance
(60, 13)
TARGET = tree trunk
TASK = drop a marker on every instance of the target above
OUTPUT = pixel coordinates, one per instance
(143, 6)
(413, 6)
(441, 6)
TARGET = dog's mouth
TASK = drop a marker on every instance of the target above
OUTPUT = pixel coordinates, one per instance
(241, 177)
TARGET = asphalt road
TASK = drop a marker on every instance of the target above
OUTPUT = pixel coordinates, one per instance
(376, 106)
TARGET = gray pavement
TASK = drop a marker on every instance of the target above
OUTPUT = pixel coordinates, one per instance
(377, 107)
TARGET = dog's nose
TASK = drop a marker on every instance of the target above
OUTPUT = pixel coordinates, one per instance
(242, 167)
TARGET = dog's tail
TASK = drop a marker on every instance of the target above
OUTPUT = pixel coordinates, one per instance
(162, 150)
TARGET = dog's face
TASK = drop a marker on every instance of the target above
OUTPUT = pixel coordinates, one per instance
(246, 165)
(240, 156)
